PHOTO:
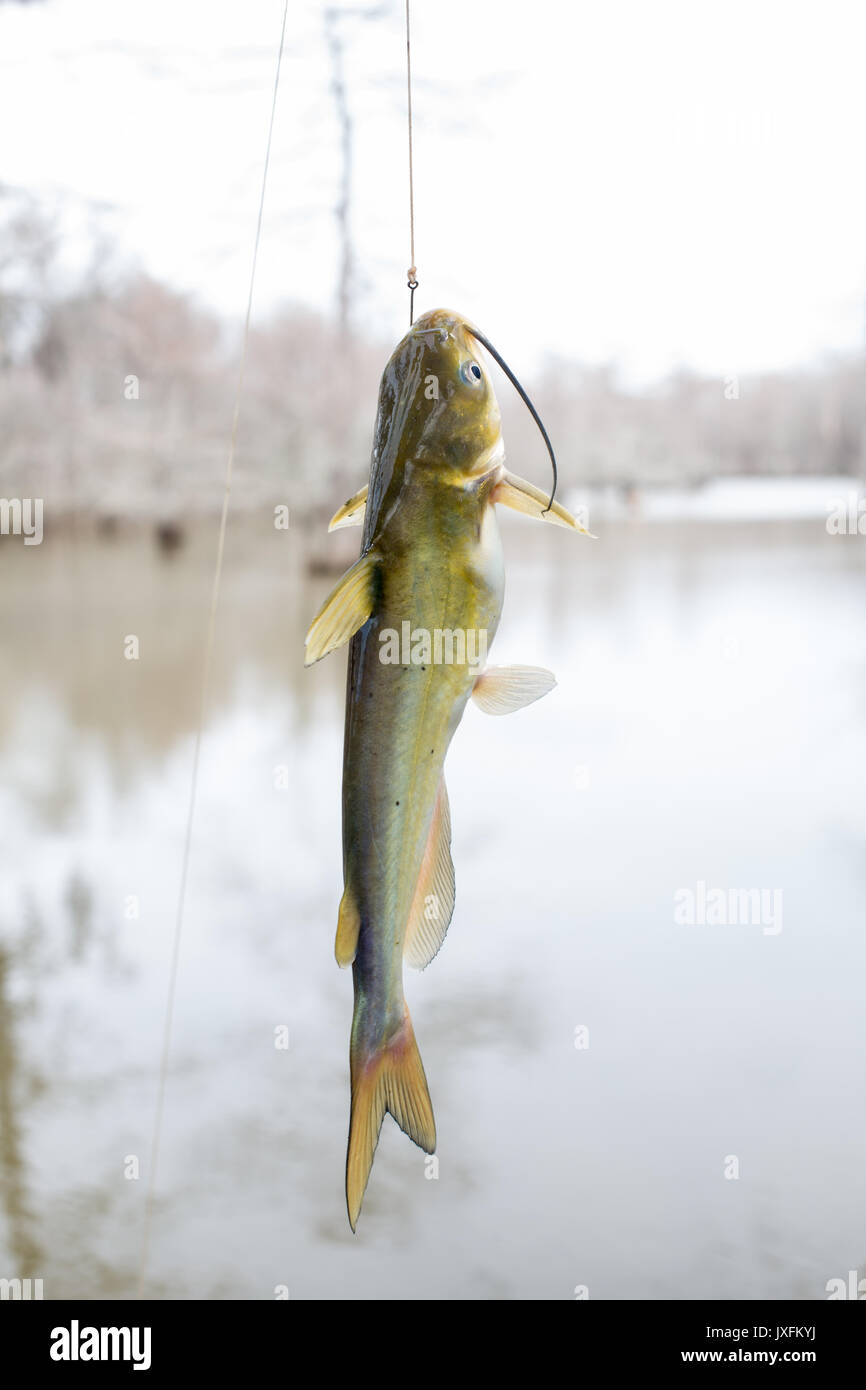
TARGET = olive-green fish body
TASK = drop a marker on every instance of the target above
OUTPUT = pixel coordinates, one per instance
(444, 579)
(421, 607)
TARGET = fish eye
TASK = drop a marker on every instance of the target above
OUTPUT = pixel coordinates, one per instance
(471, 373)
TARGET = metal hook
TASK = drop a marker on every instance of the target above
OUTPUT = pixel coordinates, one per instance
(412, 285)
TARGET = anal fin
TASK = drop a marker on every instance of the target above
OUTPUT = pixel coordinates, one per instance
(433, 903)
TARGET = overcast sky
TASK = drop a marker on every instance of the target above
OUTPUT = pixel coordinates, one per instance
(663, 185)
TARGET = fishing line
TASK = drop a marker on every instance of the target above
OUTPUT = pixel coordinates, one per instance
(203, 699)
(533, 412)
(412, 282)
(412, 272)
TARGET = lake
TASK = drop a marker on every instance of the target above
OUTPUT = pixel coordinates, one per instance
(637, 1092)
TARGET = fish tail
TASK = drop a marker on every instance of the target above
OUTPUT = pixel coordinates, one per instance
(390, 1078)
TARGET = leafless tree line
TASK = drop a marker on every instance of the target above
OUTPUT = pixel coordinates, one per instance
(117, 393)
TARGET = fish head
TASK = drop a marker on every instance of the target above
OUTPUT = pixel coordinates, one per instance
(437, 406)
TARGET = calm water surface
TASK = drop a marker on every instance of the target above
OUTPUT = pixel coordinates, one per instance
(709, 726)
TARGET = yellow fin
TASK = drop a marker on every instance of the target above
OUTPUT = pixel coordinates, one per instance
(347, 607)
(521, 496)
(348, 927)
(390, 1079)
(502, 689)
(351, 513)
(433, 904)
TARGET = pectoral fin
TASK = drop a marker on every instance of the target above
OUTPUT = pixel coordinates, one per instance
(351, 513)
(345, 610)
(502, 689)
(433, 904)
(521, 496)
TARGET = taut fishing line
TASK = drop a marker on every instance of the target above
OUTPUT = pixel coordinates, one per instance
(412, 272)
(203, 699)
(412, 281)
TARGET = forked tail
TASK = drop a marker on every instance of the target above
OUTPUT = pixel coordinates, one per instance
(389, 1079)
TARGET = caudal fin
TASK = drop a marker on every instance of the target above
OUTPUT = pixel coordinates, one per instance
(392, 1080)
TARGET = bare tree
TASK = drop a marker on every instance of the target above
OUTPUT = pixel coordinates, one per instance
(334, 18)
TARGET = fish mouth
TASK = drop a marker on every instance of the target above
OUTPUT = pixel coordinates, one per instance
(490, 462)
(450, 325)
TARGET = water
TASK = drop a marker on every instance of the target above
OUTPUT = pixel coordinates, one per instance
(709, 726)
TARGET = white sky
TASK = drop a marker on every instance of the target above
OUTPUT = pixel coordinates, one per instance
(666, 184)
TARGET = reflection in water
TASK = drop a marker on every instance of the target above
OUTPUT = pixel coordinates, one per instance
(709, 725)
(20, 1249)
